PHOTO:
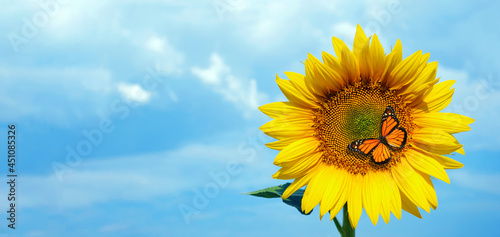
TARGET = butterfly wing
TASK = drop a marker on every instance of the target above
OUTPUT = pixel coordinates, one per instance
(397, 138)
(389, 121)
(363, 146)
(381, 154)
(392, 135)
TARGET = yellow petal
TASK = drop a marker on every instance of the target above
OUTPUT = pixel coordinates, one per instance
(293, 95)
(298, 150)
(313, 83)
(409, 206)
(418, 69)
(384, 199)
(365, 61)
(419, 93)
(377, 56)
(284, 133)
(348, 61)
(279, 109)
(460, 151)
(298, 81)
(405, 71)
(423, 163)
(393, 194)
(359, 41)
(435, 140)
(429, 73)
(335, 65)
(426, 76)
(296, 185)
(333, 191)
(409, 182)
(344, 193)
(285, 128)
(448, 122)
(437, 99)
(338, 46)
(294, 121)
(350, 65)
(329, 78)
(429, 191)
(298, 168)
(282, 143)
(354, 200)
(446, 162)
(372, 196)
(391, 61)
(315, 190)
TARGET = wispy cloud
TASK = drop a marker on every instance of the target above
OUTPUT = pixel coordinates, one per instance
(243, 93)
(134, 93)
(169, 59)
(344, 30)
(215, 73)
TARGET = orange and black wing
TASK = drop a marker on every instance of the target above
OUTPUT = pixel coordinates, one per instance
(394, 135)
(397, 138)
(381, 154)
(363, 146)
(389, 121)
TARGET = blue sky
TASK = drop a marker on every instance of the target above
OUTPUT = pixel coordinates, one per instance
(127, 110)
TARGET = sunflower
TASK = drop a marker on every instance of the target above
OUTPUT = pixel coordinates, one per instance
(343, 102)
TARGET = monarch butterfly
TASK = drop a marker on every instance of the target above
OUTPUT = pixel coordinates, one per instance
(392, 136)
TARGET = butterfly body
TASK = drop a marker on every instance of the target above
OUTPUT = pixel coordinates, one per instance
(384, 141)
(380, 148)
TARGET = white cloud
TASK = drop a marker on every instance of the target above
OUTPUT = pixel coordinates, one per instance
(156, 44)
(241, 92)
(214, 73)
(344, 30)
(71, 20)
(168, 59)
(134, 93)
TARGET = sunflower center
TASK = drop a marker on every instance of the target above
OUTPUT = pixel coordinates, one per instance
(364, 122)
(356, 113)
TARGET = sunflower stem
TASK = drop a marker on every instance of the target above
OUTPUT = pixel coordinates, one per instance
(346, 230)
(337, 224)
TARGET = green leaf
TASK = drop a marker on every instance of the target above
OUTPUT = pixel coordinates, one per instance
(294, 200)
(271, 192)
